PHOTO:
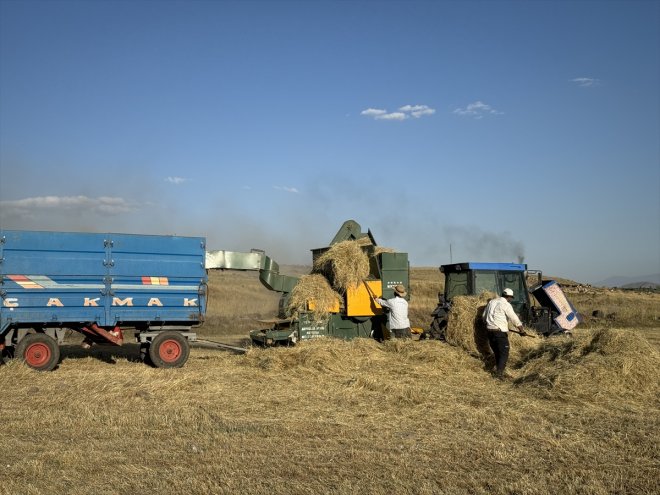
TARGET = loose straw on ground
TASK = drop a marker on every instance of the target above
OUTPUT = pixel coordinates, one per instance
(612, 363)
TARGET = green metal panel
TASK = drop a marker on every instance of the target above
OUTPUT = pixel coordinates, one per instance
(270, 277)
(305, 328)
(310, 329)
(350, 231)
(395, 270)
(337, 326)
(342, 328)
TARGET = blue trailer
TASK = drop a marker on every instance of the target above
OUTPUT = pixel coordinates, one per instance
(103, 286)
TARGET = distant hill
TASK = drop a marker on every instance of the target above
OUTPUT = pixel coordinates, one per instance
(648, 281)
(641, 285)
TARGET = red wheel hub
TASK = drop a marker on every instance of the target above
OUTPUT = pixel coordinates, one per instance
(37, 354)
(169, 351)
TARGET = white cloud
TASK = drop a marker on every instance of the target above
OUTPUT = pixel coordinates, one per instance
(287, 189)
(477, 110)
(405, 112)
(417, 111)
(373, 112)
(585, 82)
(392, 116)
(176, 180)
(104, 204)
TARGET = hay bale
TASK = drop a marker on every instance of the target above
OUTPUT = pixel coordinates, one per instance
(593, 364)
(465, 327)
(467, 330)
(344, 264)
(314, 287)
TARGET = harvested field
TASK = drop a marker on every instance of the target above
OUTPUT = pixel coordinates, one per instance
(323, 417)
(338, 417)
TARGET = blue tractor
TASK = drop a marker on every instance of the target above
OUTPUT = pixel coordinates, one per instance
(553, 315)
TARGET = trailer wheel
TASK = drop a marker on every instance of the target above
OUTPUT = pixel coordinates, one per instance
(39, 351)
(169, 350)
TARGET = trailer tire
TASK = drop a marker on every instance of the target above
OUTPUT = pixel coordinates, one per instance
(39, 351)
(169, 350)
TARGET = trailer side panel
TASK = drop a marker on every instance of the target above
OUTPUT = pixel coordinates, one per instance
(71, 279)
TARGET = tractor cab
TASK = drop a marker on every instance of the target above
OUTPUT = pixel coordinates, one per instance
(471, 279)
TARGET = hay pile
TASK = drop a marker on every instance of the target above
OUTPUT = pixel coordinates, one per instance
(344, 264)
(466, 329)
(314, 287)
(591, 364)
(416, 366)
(321, 354)
(600, 363)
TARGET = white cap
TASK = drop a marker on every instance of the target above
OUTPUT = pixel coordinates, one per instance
(507, 292)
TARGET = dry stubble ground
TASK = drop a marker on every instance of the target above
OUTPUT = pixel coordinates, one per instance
(329, 417)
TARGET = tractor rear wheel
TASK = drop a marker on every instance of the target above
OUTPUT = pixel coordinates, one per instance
(169, 350)
(39, 351)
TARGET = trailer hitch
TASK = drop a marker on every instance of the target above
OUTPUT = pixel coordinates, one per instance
(114, 336)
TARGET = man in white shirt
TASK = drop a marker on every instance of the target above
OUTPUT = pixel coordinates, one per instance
(497, 315)
(397, 318)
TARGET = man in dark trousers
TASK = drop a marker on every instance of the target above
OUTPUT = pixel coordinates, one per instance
(497, 315)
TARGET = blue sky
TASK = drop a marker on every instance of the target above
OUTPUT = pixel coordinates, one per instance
(501, 128)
